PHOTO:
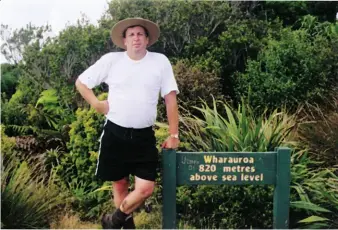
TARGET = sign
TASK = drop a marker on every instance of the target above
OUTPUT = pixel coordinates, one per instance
(188, 168)
(225, 168)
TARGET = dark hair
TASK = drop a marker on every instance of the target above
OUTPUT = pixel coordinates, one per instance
(145, 30)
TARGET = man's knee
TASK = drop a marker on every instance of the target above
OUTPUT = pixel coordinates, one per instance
(121, 186)
(145, 191)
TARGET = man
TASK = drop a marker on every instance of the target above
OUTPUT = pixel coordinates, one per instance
(135, 78)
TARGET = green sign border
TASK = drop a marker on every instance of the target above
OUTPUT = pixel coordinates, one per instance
(173, 176)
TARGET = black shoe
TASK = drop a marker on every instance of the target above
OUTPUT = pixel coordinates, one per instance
(108, 222)
(129, 224)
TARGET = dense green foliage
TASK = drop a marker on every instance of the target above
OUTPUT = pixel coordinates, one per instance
(234, 207)
(256, 59)
(9, 79)
(286, 72)
(27, 200)
(76, 169)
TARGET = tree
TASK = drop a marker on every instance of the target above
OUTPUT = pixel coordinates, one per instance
(186, 22)
(291, 11)
(16, 41)
(299, 67)
(9, 79)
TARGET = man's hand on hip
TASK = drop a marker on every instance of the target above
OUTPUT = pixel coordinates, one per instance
(102, 107)
(171, 143)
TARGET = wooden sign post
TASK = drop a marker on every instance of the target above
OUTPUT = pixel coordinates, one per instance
(232, 168)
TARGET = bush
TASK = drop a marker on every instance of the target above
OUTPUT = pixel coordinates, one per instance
(27, 199)
(83, 145)
(222, 206)
(194, 83)
(76, 169)
(50, 110)
(290, 71)
(320, 134)
(315, 169)
(10, 74)
(237, 130)
(12, 110)
(235, 206)
(314, 197)
(7, 143)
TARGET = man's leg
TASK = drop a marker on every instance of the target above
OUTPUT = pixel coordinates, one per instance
(143, 190)
(120, 192)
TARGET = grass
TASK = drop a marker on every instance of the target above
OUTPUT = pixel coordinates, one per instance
(72, 221)
(28, 199)
(152, 220)
(320, 133)
(143, 220)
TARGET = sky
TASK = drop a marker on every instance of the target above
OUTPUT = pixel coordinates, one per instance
(57, 13)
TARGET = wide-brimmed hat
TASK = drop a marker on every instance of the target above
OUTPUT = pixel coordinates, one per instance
(121, 26)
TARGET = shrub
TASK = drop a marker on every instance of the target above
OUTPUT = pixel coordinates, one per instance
(235, 206)
(80, 163)
(319, 133)
(194, 83)
(27, 199)
(7, 143)
(76, 169)
(297, 68)
(237, 130)
(314, 193)
(12, 110)
(49, 108)
(10, 74)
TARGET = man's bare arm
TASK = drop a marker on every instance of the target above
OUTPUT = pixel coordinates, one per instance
(89, 96)
(172, 114)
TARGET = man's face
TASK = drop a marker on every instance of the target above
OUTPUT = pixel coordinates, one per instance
(136, 39)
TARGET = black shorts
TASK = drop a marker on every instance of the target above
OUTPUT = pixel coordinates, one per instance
(127, 151)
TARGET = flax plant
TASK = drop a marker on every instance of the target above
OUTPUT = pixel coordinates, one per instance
(314, 190)
(315, 204)
(238, 130)
(27, 198)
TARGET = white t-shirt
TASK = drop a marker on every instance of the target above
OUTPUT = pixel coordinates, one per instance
(134, 86)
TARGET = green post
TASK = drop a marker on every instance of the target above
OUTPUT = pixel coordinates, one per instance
(281, 196)
(169, 188)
